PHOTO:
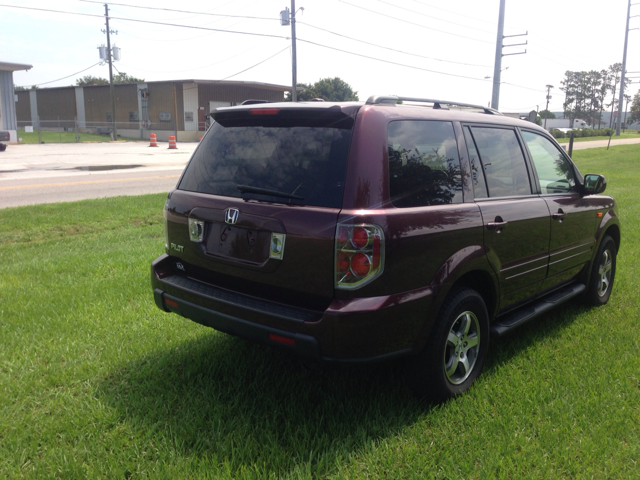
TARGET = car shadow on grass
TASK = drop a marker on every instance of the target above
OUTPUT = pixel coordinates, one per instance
(240, 405)
(234, 403)
(551, 324)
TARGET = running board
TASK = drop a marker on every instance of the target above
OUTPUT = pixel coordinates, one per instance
(521, 316)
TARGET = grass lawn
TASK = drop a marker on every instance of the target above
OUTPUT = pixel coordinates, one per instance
(627, 134)
(66, 137)
(96, 382)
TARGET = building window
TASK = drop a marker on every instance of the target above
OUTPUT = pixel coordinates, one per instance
(188, 116)
(165, 116)
(109, 119)
(133, 116)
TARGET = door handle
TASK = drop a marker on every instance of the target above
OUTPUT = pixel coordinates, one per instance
(498, 224)
(559, 215)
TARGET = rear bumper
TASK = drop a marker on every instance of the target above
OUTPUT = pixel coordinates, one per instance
(356, 330)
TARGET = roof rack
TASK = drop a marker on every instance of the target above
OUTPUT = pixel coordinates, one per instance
(389, 99)
(254, 102)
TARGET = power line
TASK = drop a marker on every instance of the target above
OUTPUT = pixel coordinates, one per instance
(148, 21)
(181, 11)
(392, 49)
(259, 63)
(388, 61)
(456, 13)
(416, 24)
(52, 81)
(265, 35)
(436, 18)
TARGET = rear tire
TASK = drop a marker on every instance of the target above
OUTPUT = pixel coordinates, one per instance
(603, 272)
(456, 350)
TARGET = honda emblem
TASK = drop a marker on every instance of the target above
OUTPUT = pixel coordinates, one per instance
(231, 216)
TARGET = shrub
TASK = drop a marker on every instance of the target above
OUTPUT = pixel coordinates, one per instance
(557, 133)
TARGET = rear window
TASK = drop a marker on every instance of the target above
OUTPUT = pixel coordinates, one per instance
(301, 161)
(424, 167)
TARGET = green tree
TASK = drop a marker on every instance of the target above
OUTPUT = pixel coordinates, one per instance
(634, 113)
(120, 78)
(91, 80)
(124, 78)
(329, 89)
(546, 114)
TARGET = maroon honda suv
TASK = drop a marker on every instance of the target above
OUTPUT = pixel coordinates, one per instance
(355, 232)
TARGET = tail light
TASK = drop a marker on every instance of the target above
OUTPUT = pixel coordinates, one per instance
(359, 255)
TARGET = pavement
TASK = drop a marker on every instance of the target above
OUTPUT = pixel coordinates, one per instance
(52, 160)
(602, 143)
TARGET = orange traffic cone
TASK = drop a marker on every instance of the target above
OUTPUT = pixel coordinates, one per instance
(172, 141)
(152, 140)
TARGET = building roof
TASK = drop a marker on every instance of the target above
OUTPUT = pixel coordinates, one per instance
(12, 67)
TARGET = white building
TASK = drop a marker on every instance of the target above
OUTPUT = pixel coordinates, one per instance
(8, 120)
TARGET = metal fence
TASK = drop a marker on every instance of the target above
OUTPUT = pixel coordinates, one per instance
(66, 130)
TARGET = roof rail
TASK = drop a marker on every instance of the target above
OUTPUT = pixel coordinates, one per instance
(254, 102)
(392, 99)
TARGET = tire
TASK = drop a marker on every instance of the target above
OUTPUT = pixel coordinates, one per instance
(603, 273)
(456, 350)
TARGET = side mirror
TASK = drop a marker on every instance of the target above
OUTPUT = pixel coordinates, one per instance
(594, 184)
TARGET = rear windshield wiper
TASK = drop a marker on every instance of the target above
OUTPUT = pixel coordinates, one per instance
(266, 191)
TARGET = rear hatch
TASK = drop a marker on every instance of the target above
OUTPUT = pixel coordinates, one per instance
(255, 211)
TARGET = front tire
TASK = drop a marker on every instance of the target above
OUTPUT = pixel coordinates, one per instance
(603, 272)
(456, 350)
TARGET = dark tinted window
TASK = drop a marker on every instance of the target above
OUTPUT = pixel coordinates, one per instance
(294, 163)
(555, 172)
(502, 160)
(424, 168)
(477, 172)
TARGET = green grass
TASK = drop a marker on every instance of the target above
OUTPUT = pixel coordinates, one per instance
(65, 137)
(96, 382)
(623, 135)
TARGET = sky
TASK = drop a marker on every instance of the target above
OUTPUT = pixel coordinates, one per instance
(412, 48)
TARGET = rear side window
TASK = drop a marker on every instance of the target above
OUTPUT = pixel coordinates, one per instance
(477, 172)
(293, 161)
(424, 167)
(502, 161)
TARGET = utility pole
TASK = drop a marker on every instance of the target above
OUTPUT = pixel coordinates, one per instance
(497, 68)
(112, 90)
(294, 60)
(549, 87)
(624, 66)
(289, 18)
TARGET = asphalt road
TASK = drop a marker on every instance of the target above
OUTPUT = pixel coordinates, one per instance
(33, 174)
(49, 173)
(79, 187)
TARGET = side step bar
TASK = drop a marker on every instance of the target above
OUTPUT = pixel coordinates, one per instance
(521, 316)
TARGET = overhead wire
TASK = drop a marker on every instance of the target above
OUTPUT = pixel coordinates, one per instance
(392, 49)
(416, 24)
(436, 18)
(148, 21)
(181, 11)
(63, 78)
(271, 36)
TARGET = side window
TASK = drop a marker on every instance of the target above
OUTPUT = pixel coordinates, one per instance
(424, 167)
(554, 171)
(477, 173)
(502, 161)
